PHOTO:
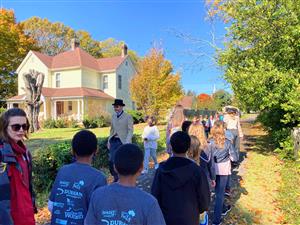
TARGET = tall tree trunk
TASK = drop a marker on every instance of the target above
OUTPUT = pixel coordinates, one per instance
(33, 88)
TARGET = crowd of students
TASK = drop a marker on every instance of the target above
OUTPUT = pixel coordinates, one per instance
(181, 188)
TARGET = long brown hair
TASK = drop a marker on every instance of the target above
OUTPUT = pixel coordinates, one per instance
(194, 150)
(217, 133)
(4, 122)
(177, 116)
(198, 131)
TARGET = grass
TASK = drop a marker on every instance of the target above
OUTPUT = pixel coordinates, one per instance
(256, 194)
(289, 196)
(45, 137)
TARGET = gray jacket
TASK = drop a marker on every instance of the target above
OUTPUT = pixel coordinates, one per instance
(122, 127)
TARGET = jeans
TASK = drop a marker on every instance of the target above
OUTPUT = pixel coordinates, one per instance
(115, 143)
(236, 145)
(221, 181)
(148, 152)
(236, 140)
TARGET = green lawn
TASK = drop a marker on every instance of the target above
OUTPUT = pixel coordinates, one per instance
(45, 137)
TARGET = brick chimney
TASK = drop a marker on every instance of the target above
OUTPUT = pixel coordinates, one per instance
(124, 50)
(74, 44)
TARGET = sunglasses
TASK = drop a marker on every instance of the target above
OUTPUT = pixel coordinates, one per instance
(17, 127)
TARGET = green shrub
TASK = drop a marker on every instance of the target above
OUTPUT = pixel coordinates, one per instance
(46, 163)
(2, 110)
(49, 123)
(137, 116)
(72, 123)
(99, 121)
(61, 123)
(286, 150)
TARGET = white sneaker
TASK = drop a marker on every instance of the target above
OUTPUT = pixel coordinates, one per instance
(144, 171)
(156, 166)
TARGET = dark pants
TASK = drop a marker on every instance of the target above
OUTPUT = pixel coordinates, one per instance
(221, 181)
(115, 143)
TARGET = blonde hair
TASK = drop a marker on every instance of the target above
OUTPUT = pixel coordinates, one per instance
(198, 131)
(194, 150)
(217, 133)
(177, 117)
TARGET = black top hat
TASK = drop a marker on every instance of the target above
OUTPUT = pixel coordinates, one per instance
(118, 102)
(231, 110)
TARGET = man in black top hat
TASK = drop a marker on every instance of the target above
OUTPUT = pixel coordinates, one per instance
(121, 132)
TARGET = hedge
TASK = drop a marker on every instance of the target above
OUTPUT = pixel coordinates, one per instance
(47, 162)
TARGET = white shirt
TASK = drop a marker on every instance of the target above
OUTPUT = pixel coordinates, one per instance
(152, 135)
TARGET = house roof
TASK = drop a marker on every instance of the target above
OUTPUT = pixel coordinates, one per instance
(68, 92)
(186, 102)
(79, 58)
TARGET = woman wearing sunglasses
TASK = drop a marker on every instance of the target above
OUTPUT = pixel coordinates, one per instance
(16, 196)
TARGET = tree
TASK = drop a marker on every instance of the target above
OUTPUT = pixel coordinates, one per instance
(154, 88)
(33, 81)
(205, 101)
(222, 98)
(54, 38)
(261, 57)
(14, 47)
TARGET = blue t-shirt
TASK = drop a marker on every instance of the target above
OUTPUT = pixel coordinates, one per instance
(71, 192)
(116, 204)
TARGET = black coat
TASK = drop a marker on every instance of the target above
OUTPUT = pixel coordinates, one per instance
(182, 191)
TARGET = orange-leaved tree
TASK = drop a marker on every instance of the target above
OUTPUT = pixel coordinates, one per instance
(14, 47)
(155, 88)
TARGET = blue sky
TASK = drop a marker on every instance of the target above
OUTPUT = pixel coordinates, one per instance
(141, 23)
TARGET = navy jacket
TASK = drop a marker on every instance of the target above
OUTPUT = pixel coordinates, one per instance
(182, 191)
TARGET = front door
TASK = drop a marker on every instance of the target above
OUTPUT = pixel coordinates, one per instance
(59, 108)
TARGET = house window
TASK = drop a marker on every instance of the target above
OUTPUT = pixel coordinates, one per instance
(105, 82)
(57, 80)
(126, 63)
(119, 81)
(70, 106)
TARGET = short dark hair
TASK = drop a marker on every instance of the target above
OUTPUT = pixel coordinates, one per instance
(185, 125)
(84, 143)
(180, 142)
(128, 159)
(4, 122)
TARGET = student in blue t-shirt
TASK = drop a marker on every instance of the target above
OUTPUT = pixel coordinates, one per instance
(74, 183)
(122, 203)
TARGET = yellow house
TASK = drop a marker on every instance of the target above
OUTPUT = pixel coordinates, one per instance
(76, 84)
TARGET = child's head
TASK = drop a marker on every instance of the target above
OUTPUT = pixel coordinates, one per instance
(180, 142)
(194, 150)
(129, 160)
(185, 125)
(84, 143)
(198, 131)
(14, 125)
(150, 120)
(218, 133)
